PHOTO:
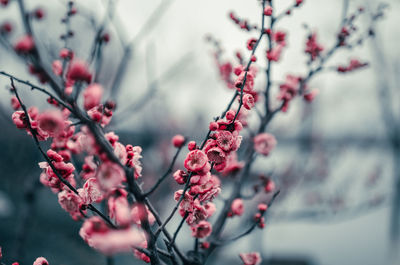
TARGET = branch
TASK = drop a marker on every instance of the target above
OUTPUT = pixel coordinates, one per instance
(25, 17)
(179, 227)
(262, 32)
(34, 87)
(187, 185)
(253, 226)
(64, 181)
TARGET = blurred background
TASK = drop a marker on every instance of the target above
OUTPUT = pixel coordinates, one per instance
(337, 161)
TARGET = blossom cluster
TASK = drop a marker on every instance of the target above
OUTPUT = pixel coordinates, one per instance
(102, 178)
(109, 173)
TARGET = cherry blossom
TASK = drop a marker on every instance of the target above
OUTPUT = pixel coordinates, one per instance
(202, 229)
(264, 143)
(252, 258)
(110, 241)
(110, 176)
(25, 45)
(78, 71)
(237, 207)
(41, 261)
(70, 202)
(196, 160)
(178, 140)
(92, 96)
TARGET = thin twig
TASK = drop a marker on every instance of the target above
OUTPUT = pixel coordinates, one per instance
(34, 87)
(253, 226)
(165, 175)
(50, 163)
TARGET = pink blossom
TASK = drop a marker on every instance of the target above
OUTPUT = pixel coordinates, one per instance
(253, 258)
(313, 48)
(210, 143)
(249, 85)
(180, 176)
(268, 10)
(238, 70)
(79, 71)
(91, 191)
(66, 54)
(110, 176)
(210, 208)
(25, 44)
(118, 208)
(250, 43)
(54, 156)
(33, 112)
(204, 189)
(195, 160)
(248, 101)
(237, 139)
(264, 143)
(120, 152)
(289, 89)
(197, 213)
(139, 212)
(216, 155)
(56, 66)
(192, 145)
(225, 140)
(213, 126)
(200, 179)
(237, 207)
(205, 245)
(141, 255)
(269, 185)
(178, 140)
(50, 179)
(201, 230)
(15, 103)
(39, 13)
(41, 261)
(133, 156)
(52, 122)
(274, 54)
(353, 65)
(208, 190)
(279, 37)
(91, 226)
(92, 96)
(225, 70)
(230, 115)
(116, 241)
(232, 164)
(100, 115)
(187, 202)
(109, 241)
(19, 119)
(259, 219)
(70, 202)
(262, 207)
(309, 97)
(88, 168)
